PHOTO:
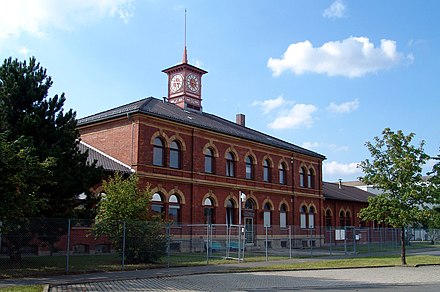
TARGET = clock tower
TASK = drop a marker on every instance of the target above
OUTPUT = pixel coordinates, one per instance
(185, 85)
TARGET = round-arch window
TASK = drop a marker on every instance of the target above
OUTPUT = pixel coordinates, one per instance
(174, 199)
(157, 198)
(207, 202)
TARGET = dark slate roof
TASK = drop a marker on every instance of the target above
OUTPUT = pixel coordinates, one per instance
(155, 107)
(107, 162)
(345, 193)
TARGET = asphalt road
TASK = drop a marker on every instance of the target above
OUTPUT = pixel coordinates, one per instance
(425, 278)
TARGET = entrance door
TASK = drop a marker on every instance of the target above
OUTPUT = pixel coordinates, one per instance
(249, 230)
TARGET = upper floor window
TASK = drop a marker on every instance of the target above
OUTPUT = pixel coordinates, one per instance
(282, 173)
(266, 170)
(310, 178)
(302, 173)
(230, 164)
(249, 167)
(175, 155)
(158, 152)
(209, 160)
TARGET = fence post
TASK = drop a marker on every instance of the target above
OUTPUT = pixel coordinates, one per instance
(167, 231)
(266, 241)
(207, 244)
(68, 246)
(123, 245)
(331, 241)
(290, 242)
(345, 240)
(355, 238)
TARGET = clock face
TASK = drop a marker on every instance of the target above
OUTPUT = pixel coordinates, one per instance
(192, 82)
(176, 83)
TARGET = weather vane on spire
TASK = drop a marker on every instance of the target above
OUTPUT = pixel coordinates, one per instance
(185, 56)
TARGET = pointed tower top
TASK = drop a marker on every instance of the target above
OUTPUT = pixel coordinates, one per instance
(185, 54)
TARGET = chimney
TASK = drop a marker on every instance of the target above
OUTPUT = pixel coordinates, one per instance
(240, 119)
(340, 183)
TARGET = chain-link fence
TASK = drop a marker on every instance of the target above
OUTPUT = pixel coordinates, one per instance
(35, 246)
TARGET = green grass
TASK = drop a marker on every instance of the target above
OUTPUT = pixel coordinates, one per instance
(33, 288)
(392, 260)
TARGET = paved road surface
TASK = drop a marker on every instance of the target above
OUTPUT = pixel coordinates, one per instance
(425, 278)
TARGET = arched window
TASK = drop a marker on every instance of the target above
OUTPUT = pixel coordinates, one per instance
(266, 170)
(310, 178)
(230, 164)
(249, 167)
(342, 218)
(267, 215)
(283, 216)
(209, 160)
(328, 219)
(230, 218)
(174, 209)
(208, 211)
(303, 217)
(157, 206)
(282, 173)
(348, 218)
(175, 155)
(158, 152)
(302, 173)
(311, 217)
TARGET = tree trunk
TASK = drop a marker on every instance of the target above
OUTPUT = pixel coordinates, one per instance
(403, 254)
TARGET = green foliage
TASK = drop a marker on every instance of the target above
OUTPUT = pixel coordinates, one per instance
(124, 207)
(396, 169)
(37, 132)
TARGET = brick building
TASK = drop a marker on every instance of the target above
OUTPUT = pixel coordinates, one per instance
(198, 164)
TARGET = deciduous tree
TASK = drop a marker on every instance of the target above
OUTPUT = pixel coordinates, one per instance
(123, 212)
(396, 168)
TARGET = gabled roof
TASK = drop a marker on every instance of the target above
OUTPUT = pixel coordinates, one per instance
(158, 108)
(345, 193)
(107, 162)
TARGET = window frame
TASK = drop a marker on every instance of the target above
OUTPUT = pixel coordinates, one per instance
(230, 165)
(158, 150)
(266, 170)
(209, 160)
(175, 160)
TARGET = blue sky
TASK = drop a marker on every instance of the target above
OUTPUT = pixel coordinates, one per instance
(325, 75)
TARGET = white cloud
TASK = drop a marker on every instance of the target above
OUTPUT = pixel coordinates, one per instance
(36, 16)
(352, 57)
(298, 115)
(336, 10)
(336, 168)
(24, 51)
(269, 105)
(345, 107)
(310, 145)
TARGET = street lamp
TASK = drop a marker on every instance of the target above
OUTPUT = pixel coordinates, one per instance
(242, 197)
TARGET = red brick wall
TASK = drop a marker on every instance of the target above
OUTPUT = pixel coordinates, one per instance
(129, 140)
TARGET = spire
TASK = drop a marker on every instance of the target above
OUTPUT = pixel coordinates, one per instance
(185, 54)
(185, 57)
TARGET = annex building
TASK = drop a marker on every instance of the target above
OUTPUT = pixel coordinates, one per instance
(201, 167)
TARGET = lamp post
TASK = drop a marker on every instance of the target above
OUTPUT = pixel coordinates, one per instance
(242, 197)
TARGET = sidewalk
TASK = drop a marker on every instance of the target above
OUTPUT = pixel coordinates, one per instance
(142, 274)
